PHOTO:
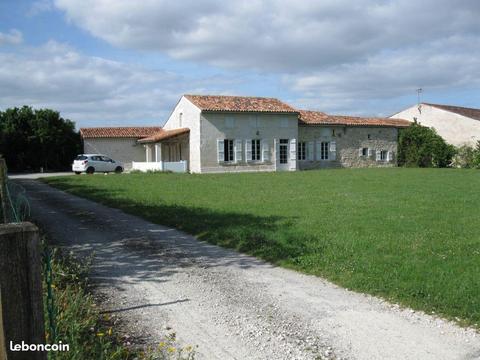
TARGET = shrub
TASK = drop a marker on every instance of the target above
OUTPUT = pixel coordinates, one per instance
(464, 157)
(420, 146)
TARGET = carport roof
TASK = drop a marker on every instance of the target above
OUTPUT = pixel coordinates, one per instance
(163, 135)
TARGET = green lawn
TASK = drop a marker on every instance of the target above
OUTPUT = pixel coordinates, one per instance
(409, 235)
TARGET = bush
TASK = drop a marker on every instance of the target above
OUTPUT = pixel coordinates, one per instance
(476, 156)
(464, 157)
(420, 146)
(467, 157)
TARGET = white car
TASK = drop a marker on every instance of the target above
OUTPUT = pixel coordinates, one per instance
(91, 163)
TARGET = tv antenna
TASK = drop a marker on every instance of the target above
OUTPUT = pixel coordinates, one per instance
(419, 92)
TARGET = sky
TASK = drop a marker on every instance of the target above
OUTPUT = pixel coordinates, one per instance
(126, 63)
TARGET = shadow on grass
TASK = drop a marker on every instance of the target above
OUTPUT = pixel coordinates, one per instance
(268, 237)
(127, 248)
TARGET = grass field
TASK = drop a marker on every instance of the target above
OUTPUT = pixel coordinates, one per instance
(408, 235)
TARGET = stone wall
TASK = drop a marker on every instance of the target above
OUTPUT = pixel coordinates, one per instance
(349, 141)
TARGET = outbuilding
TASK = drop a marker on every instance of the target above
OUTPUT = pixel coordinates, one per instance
(119, 143)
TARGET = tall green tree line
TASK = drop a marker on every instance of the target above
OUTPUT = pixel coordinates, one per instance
(32, 139)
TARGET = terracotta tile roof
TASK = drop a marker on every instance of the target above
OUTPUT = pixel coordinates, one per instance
(164, 134)
(119, 132)
(320, 118)
(468, 112)
(239, 103)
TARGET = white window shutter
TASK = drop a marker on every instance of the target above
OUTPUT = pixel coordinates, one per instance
(319, 149)
(360, 152)
(238, 150)
(370, 152)
(333, 150)
(310, 154)
(265, 150)
(293, 149)
(248, 150)
(389, 156)
(220, 150)
(378, 155)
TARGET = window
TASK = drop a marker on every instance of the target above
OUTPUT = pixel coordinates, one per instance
(324, 151)
(106, 159)
(364, 151)
(256, 154)
(283, 151)
(301, 150)
(383, 155)
(228, 150)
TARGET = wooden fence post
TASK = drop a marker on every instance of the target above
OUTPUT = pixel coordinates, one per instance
(21, 289)
(3, 190)
(3, 345)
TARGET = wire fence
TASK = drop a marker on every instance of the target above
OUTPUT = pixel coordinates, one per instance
(17, 202)
(15, 208)
(50, 301)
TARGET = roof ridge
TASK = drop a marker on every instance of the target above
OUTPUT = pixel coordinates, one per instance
(232, 96)
(471, 113)
(120, 127)
(239, 103)
(453, 106)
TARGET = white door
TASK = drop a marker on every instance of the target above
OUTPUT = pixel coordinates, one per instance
(282, 154)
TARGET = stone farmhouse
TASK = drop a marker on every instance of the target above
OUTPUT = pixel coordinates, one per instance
(457, 125)
(211, 134)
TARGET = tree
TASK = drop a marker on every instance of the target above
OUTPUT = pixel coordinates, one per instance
(423, 147)
(30, 139)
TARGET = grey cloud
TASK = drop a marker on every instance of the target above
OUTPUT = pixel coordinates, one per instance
(273, 34)
(13, 37)
(92, 90)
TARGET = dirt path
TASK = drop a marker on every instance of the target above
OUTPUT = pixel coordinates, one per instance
(234, 306)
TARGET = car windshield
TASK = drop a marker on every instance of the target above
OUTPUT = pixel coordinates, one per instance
(81, 157)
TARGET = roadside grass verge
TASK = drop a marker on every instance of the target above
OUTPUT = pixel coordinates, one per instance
(411, 236)
(80, 323)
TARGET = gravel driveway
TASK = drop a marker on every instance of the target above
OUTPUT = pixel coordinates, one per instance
(234, 306)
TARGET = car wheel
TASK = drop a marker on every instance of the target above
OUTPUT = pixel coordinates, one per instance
(118, 169)
(90, 170)
(77, 172)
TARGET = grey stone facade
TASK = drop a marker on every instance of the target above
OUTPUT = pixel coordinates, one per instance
(349, 142)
